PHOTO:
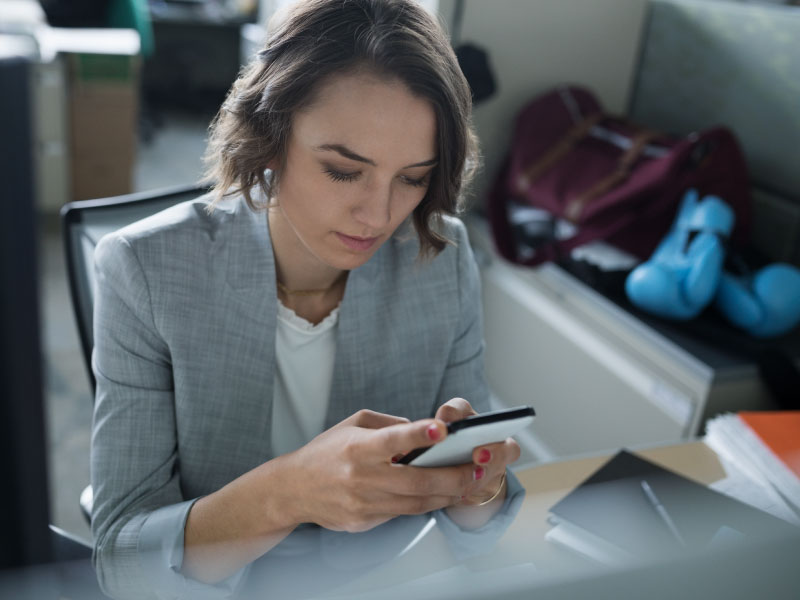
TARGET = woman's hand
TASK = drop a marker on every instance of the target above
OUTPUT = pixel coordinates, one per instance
(345, 479)
(490, 462)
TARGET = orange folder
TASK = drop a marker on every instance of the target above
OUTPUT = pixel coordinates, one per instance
(780, 432)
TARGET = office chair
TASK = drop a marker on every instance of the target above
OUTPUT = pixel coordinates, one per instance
(83, 224)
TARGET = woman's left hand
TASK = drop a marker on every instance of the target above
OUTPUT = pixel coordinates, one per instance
(491, 461)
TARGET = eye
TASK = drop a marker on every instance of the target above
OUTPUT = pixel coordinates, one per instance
(421, 182)
(340, 177)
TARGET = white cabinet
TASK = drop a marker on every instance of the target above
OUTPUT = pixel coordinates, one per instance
(598, 377)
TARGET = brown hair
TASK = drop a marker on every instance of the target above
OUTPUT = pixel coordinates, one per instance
(322, 38)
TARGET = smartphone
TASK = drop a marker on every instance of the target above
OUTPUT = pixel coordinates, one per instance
(464, 435)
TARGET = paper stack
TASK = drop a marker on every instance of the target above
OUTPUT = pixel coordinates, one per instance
(764, 445)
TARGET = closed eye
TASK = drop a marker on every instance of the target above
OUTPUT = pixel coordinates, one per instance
(421, 182)
(341, 177)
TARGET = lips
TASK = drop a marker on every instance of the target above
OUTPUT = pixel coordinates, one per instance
(359, 244)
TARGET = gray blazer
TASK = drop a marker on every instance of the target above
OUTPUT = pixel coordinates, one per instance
(184, 326)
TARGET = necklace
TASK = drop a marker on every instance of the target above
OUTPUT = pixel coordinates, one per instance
(316, 292)
(289, 292)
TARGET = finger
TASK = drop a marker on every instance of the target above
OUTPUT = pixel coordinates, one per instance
(404, 437)
(393, 506)
(455, 409)
(361, 524)
(381, 503)
(419, 505)
(500, 453)
(370, 419)
(405, 480)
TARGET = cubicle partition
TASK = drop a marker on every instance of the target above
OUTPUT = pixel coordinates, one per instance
(599, 375)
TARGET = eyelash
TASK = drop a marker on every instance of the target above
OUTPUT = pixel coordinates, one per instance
(340, 177)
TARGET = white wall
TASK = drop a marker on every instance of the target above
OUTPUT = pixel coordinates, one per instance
(536, 44)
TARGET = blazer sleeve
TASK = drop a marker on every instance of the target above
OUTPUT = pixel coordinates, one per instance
(139, 512)
(464, 375)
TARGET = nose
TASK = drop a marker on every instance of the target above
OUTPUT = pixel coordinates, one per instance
(373, 208)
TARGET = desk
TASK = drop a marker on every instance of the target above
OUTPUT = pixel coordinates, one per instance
(522, 552)
(548, 483)
(524, 565)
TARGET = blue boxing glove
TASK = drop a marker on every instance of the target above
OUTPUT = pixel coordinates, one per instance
(681, 277)
(765, 304)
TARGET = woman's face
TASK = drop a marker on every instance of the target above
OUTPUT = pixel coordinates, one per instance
(358, 162)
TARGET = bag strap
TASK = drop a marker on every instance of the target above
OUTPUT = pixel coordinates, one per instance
(574, 208)
(539, 167)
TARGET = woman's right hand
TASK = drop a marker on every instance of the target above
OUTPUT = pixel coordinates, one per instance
(345, 479)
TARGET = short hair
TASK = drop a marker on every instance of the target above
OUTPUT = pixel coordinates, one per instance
(317, 39)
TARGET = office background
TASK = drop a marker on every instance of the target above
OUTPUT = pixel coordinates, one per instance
(527, 49)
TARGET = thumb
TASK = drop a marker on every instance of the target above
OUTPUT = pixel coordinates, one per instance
(455, 409)
(370, 419)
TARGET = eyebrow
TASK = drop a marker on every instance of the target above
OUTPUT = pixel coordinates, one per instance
(347, 153)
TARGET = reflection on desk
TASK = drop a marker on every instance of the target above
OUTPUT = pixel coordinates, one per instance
(523, 565)
(410, 558)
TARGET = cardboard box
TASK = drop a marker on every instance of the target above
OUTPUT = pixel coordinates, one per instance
(104, 107)
(101, 175)
(103, 99)
(103, 119)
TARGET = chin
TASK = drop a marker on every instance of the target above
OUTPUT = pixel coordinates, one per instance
(347, 260)
(340, 257)
(349, 263)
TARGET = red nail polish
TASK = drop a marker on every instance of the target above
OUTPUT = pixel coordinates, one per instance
(396, 458)
(478, 473)
(484, 456)
(433, 432)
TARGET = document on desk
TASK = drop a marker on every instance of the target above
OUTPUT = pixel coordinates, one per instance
(765, 446)
(633, 510)
(753, 490)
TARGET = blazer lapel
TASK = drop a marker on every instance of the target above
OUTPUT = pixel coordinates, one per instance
(251, 321)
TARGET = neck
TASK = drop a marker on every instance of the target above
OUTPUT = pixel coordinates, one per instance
(307, 286)
(296, 269)
(313, 305)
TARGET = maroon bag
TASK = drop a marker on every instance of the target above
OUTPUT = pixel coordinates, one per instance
(575, 174)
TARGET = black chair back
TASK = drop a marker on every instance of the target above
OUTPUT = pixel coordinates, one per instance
(84, 223)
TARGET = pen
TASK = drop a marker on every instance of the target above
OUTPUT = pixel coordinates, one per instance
(662, 512)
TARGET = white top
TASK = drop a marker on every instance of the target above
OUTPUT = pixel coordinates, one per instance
(304, 355)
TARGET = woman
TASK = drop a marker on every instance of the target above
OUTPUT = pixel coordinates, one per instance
(263, 355)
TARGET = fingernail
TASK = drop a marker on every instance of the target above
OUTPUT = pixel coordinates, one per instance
(484, 456)
(433, 432)
(478, 473)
